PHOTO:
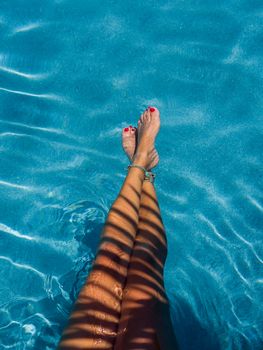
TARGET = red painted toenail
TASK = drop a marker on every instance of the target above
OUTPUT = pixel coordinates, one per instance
(133, 129)
(152, 109)
(126, 129)
(130, 126)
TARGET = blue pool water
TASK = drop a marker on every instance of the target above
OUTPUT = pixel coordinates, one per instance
(72, 75)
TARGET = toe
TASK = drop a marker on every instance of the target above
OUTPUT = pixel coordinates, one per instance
(125, 132)
(153, 110)
(144, 116)
(155, 115)
(148, 115)
(141, 117)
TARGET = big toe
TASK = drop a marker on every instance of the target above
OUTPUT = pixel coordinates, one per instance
(154, 111)
(154, 115)
(125, 132)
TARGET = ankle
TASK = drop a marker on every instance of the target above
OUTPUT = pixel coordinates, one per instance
(141, 159)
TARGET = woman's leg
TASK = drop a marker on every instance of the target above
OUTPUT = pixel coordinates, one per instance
(94, 321)
(145, 319)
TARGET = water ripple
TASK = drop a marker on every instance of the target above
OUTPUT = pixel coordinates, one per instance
(212, 226)
(10, 231)
(33, 127)
(16, 186)
(242, 239)
(22, 266)
(68, 87)
(255, 203)
(207, 185)
(41, 96)
(27, 27)
(24, 75)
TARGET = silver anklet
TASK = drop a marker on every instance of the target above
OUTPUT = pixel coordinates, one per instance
(148, 175)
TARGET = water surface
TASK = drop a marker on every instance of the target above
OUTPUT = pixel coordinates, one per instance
(72, 75)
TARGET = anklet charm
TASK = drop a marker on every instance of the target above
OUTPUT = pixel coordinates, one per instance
(150, 178)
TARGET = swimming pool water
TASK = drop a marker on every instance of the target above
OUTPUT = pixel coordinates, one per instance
(72, 75)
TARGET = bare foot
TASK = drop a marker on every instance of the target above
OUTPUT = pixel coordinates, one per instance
(129, 141)
(148, 128)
